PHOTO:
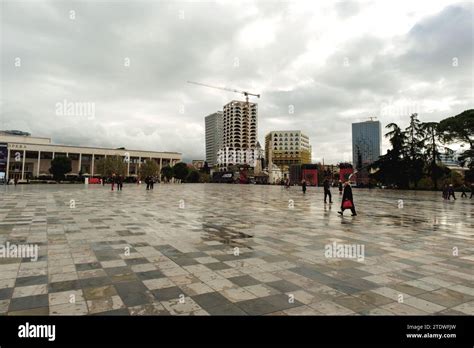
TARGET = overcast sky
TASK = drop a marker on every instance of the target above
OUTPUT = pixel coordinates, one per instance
(319, 66)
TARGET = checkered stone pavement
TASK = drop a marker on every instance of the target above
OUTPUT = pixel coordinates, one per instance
(209, 249)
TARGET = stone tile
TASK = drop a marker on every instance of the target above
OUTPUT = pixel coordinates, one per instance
(196, 289)
(166, 294)
(425, 306)
(28, 302)
(331, 308)
(133, 293)
(153, 284)
(466, 308)
(99, 292)
(237, 294)
(105, 305)
(65, 297)
(155, 308)
(6, 293)
(30, 290)
(78, 308)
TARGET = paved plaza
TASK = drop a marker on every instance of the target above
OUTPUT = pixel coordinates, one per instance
(210, 249)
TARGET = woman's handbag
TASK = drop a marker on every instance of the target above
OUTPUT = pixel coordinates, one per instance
(347, 204)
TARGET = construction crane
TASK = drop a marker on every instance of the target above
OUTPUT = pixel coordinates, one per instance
(245, 93)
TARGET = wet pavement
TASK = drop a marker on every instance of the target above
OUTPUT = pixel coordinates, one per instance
(199, 249)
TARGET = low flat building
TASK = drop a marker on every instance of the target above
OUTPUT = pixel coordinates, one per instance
(23, 156)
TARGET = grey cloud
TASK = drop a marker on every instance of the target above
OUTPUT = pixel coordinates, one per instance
(141, 106)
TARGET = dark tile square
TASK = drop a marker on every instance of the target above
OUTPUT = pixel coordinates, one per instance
(66, 285)
(150, 275)
(283, 286)
(33, 280)
(28, 302)
(118, 270)
(195, 254)
(87, 266)
(257, 307)
(107, 255)
(167, 294)
(244, 280)
(94, 282)
(137, 261)
(227, 309)
(217, 266)
(6, 293)
(133, 293)
(211, 300)
(281, 301)
(184, 261)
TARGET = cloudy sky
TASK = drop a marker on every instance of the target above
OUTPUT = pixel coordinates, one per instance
(319, 65)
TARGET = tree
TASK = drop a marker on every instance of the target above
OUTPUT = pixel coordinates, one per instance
(392, 167)
(60, 166)
(205, 168)
(109, 165)
(167, 172)
(461, 128)
(149, 168)
(415, 143)
(397, 138)
(432, 136)
(193, 176)
(180, 171)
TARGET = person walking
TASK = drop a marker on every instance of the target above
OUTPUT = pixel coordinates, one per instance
(327, 191)
(445, 191)
(119, 182)
(147, 181)
(340, 187)
(347, 200)
(463, 190)
(303, 186)
(104, 179)
(152, 182)
(451, 192)
(113, 181)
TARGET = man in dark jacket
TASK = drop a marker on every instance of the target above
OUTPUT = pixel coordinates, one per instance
(327, 191)
(347, 196)
(451, 192)
(119, 182)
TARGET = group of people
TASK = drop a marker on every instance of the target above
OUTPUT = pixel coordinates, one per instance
(114, 180)
(117, 181)
(150, 182)
(448, 191)
(345, 190)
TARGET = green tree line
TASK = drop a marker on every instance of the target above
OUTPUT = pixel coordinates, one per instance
(414, 159)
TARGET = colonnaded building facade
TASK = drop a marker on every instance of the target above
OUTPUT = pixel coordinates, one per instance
(24, 157)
